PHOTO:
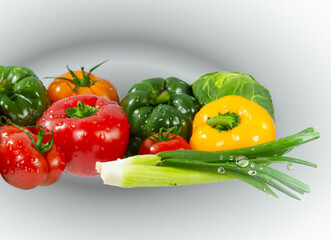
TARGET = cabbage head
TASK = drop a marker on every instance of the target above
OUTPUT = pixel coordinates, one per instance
(213, 86)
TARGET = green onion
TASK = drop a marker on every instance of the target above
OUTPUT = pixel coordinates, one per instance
(275, 148)
(249, 165)
(143, 171)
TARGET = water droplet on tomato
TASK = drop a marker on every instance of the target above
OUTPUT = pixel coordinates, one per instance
(37, 170)
(94, 122)
(10, 148)
(21, 175)
(118, 125)
(12, 172)
(72, 127)
(5, 171)
(107, 129)
(50, 116)
(102, 148)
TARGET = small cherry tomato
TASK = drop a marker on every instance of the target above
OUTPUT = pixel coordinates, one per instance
(165, 140)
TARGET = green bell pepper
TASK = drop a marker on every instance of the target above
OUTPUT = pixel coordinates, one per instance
(157, 102)
(23, 97)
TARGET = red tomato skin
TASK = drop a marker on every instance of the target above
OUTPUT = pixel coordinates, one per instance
(56, 164)
(101, 137)
(21, 165)
(151, 147)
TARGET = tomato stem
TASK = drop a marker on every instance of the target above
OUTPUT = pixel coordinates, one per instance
(163, 134)
(224, 121)
(86, 81)
(39, 145)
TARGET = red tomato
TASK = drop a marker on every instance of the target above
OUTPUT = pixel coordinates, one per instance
(153, 146)
(88, 129)
(21, 164)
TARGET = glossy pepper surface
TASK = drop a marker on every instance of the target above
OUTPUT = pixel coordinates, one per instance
(23, 97)
(231, 122)
(88, 129)
(155, 103)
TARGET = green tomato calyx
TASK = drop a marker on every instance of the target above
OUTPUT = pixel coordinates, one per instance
(163, 134)
(86, 81)
(39, 144)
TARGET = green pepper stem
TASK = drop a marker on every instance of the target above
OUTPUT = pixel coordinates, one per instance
(81, 111)
(224, 122)
(278, 147)
(163, 97)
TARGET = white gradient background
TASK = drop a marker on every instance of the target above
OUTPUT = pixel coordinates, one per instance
(285, 45)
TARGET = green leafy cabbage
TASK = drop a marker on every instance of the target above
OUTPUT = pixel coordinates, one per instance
(213, 86)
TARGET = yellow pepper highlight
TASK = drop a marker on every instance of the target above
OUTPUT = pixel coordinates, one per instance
(231, 122)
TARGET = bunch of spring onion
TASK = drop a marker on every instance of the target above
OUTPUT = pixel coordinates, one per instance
(187, 167)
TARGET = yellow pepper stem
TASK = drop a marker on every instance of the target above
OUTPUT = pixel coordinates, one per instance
(225, 121)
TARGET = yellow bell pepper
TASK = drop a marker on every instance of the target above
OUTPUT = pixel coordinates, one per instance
(231, 122)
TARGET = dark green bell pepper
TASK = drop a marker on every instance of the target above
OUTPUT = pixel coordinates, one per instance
(23, 97)
(157, 102)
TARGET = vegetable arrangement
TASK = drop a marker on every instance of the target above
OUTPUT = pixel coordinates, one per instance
(172, 133)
